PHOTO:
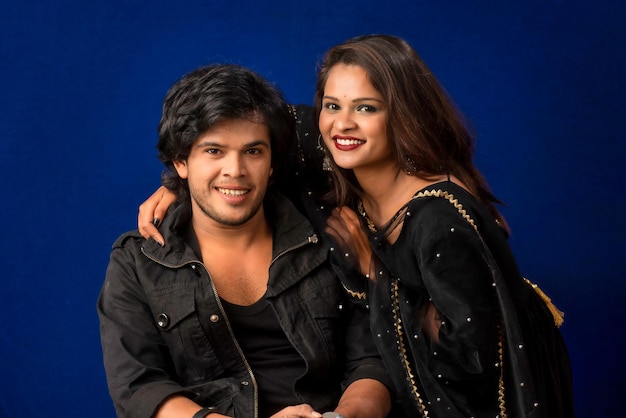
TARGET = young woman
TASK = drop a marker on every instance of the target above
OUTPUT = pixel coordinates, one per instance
(420, 241)
(461, 331)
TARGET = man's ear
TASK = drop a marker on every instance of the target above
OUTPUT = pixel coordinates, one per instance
(181, 168)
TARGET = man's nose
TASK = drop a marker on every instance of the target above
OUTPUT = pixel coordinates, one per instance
(234, 165)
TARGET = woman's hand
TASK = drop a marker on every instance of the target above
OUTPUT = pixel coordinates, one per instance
(151, 213)
(345, 227)
(297, 411)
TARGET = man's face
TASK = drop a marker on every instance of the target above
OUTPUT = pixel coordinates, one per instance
(228, 171)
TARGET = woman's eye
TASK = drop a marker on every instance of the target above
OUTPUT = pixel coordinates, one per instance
(331, 106)
(366, 108)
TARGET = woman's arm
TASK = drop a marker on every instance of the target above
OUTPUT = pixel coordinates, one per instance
(458, 277)
(344, 227)
(365, 398)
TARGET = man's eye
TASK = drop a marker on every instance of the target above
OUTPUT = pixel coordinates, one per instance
(212, 151)
(254, 151)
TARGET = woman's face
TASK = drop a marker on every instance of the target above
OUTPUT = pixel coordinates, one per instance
(353, 119)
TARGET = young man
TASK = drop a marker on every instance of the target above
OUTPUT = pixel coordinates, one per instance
(239, 314)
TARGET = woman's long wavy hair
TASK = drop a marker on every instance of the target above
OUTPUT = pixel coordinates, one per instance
(429, 135)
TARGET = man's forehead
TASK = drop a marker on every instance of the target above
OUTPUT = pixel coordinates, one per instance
(236, 132)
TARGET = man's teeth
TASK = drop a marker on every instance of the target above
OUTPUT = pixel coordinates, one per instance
(349, 141)
(232, 192)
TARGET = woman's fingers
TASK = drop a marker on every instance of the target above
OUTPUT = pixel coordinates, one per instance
(297, 411)
(344, 226)
(152, 211)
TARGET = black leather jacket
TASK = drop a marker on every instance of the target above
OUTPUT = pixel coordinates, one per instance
(164, 330)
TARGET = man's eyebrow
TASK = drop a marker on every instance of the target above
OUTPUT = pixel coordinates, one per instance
(262, 142)
(209, 144)
(253, 143)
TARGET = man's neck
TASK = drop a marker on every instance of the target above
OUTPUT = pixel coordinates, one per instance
(237, 257)
(214, 234)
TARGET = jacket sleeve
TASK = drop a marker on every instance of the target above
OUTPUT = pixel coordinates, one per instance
(136, 359)
(362, 358)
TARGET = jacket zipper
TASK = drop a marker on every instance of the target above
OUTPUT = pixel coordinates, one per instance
(312, 239)
(223, 313)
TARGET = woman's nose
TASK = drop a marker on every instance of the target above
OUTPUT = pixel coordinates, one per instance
(345, 121)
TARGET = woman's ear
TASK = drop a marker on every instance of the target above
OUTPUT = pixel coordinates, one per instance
(181, 168)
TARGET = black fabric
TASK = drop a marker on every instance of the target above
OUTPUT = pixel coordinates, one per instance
(274, 361)
(204, 412)
(451, 255)
(457, 371)
(164, 330)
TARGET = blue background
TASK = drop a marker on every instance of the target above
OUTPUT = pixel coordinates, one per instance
(82, 85)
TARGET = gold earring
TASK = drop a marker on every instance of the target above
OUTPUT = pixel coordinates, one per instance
(326, 166)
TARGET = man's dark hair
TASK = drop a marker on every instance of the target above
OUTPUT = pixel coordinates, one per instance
(212, 94)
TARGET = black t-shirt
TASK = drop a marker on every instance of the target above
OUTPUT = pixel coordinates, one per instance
(274, 361)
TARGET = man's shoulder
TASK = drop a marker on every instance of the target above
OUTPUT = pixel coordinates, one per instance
(128, 238)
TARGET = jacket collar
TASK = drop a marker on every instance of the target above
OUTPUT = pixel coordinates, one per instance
(290, 228)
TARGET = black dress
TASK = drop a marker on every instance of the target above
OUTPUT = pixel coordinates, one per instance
(495, 349)
(461, 332)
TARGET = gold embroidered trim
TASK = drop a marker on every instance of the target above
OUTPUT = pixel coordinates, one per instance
(427, 193)
(395, 299)
(450, 198)
(370, 223)
(358, 295)
(501, 403)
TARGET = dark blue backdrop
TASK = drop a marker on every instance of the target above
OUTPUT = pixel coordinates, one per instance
(82, 84)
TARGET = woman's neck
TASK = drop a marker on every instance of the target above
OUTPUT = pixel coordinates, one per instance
(386, 190)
